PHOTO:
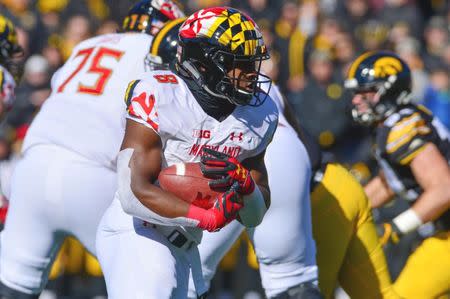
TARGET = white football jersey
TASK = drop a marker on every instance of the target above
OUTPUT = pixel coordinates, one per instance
(7, 85)
(275, 94)
(162, 101)
(85, 111)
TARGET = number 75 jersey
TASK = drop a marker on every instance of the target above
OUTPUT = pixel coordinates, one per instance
(85, 111)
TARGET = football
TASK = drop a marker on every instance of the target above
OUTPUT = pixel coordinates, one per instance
(186, 181)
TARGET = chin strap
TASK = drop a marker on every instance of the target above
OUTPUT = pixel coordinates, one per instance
(192, 72)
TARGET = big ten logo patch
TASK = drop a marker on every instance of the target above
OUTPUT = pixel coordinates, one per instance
(205, 134)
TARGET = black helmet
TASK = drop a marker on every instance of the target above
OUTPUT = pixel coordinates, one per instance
(164, 45)
(11, 53)
(384, 73)
(213, 42)
(149, 16)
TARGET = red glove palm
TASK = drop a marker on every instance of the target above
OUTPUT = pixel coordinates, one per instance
(224, 211)
(225, 171)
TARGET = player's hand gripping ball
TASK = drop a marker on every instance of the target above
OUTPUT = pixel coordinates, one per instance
(186, 181)
(224, 171)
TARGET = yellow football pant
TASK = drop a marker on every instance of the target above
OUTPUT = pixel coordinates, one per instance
(427, 271)
(348, 248)
(74, 259)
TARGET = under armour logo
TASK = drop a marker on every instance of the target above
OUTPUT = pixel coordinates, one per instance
(202, 201)
(239, 136)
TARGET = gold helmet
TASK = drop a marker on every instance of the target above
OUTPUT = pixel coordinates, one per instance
(10, 50)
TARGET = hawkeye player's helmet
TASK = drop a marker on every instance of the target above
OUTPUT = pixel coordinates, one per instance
(213, 42)
(388, 76)
(11, 53)
(149, 16)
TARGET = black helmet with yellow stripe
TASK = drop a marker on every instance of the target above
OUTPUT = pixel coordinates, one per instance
(149, 16)
(164, 45)
(11, 53)
(388, 76)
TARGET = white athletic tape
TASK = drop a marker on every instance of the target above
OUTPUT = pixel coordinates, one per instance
(180, 168)
(407, 221)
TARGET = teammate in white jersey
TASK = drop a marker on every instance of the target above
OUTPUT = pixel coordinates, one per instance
(67, 176)
(11, 63)
(283, 242)
(208, 108)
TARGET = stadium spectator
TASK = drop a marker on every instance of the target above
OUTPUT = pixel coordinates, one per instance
(403, 11)
(320, 106)
(437, 94)
(409, 51)
(289, 42)
(372, 35)
(354, 14)
(344, 52)
(33, 91)
(436, 38)
(260, 10)
(77, 29)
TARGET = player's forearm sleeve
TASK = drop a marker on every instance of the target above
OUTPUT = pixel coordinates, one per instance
(132, 205)
(254, 208)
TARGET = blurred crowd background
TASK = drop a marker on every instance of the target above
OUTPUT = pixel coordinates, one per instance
(312, 43)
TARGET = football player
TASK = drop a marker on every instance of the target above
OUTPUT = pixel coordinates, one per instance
(11, 66)
(283, 242)
(147, 239)
(413, 151)
(348, 248)
(11, 63)
(66, 177)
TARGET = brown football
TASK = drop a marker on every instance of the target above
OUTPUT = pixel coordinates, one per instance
(186, 181)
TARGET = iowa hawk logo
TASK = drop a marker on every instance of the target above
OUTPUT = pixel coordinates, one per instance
(387, 66)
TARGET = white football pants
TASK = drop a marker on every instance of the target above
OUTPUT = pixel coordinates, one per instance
(283, 242)
(139, 262)
(54, 193)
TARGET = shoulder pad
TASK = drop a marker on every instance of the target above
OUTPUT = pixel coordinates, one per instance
(407, 135)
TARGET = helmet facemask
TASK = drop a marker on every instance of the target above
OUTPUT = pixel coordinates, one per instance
(12, 57)
(374, 108)
(236, 78)
(386, 99)
(241, 78)
(154, 63)
(222, 49)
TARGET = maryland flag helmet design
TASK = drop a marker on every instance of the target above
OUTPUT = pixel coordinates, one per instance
(384, 73)
(11, 53)
(214, 41)
(225, 27)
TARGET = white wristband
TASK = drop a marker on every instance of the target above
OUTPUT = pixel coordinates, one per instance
(407, 221)
(254, 208)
